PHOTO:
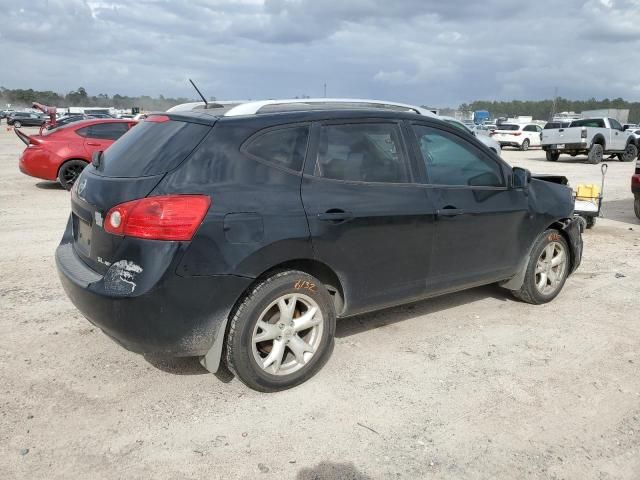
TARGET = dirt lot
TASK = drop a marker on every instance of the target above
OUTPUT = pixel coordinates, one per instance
(471, 385)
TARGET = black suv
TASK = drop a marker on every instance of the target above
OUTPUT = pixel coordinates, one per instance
(242, 238)
(26, 119)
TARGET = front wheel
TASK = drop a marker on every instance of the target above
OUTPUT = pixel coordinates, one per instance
(525, 145)
(629, 154)
(282, 333)
(547, 270)
(636, 206)
(17, 124)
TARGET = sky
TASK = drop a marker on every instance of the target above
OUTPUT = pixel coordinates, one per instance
(436, 53)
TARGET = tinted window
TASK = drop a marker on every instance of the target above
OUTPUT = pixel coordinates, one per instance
(508, 126)
(450, 160)
(107, 131)
(151, 148)
(367, 152)
(83, 132)
(588, 122)
(284, 147)
(458, 125)
(530, 128)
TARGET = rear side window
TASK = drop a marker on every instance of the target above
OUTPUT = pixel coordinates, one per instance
(151, 148)
(589, 122)
(450, 160)
(284, 147)
(363, 152)
(107, 131)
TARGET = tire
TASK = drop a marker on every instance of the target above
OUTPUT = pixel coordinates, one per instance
(595, 154)
(539, 286)
(552, 156)
(69, 172)
(591, 222)
(630, 153)
(254, 362)
(17, 124)
(636, 206)
(525, 145)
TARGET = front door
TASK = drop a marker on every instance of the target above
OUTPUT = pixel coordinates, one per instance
(369, 221)
(479, 218)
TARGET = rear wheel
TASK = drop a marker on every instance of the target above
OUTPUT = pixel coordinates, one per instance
(595, 154)
(591, 222)
(636, 206)
(630, 153)
(282, 332)
(525, 145)
(547, 270)
(69, 172)
(552, 155)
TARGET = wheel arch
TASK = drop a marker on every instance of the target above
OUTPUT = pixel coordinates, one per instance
(599, 139)
(64, 162)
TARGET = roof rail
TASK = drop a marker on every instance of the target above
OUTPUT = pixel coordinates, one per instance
(252, 108)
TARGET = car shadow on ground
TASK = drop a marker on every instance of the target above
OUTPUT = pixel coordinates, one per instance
(49, 186)
(332, 471)
(346, 327)
(620, 211)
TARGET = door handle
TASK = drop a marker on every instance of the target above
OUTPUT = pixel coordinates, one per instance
(335, 215)
(93, 144)
(450, 211)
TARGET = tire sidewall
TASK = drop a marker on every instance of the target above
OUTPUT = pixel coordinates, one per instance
(596, 153)
(239, 353)
(530, 280)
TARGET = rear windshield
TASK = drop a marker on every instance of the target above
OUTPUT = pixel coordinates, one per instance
(588, 122)
(507, 126)
(151, 148)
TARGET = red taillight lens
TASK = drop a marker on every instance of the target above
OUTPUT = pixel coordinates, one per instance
(583, 133)
(516, 134)
(167, 217)
(157, 118)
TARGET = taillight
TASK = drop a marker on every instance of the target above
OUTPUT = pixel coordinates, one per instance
(157, 118)
(166, 217)
(516, 134)
(583, 133)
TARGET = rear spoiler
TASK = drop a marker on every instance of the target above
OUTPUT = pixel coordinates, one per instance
(26, 139)
(561, 179)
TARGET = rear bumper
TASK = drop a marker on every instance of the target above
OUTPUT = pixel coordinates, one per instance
(635, 184)
(176, 316)
(567, 147)
(39, 163)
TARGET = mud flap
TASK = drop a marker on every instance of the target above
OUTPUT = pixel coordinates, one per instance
(211, 360)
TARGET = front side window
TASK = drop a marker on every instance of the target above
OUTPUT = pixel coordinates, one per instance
(450, 160)
(363, 152)
(615, 124)
(284, 147)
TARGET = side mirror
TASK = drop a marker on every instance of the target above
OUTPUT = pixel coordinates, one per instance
(521, 177)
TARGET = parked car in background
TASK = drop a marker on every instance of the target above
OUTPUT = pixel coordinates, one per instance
(629, 126)
(487, 140)
(522, 136)
(61, 154)
(26, 119)
(593, 137)
(243, 236)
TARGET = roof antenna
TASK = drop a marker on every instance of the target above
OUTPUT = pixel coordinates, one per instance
(206, 104)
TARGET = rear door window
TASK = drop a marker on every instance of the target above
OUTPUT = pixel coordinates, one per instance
(107, 131)
(362, 152)
(151, 148)
(283, 147)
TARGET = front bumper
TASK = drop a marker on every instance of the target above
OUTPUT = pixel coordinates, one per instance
(176, 316)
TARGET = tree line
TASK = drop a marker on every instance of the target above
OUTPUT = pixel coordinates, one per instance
(19, 98)
(544, 109)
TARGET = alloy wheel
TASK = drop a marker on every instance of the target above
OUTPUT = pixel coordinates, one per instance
(550, 268)
(287, 334)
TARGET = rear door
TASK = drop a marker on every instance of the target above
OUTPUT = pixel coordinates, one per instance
(99, 136)
(369, 220)
(478, 217)
(532, 132)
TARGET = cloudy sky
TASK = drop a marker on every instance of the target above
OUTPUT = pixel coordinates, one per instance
(440, 53)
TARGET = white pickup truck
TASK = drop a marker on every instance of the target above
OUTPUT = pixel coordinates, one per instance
(594, 137)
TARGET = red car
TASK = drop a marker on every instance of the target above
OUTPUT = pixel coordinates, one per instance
(635, 188)
(62, 153)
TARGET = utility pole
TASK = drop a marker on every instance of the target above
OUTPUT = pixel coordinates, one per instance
(554, 105)
(325, 89)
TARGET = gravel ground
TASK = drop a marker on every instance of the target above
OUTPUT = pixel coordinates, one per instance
(469, 385)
